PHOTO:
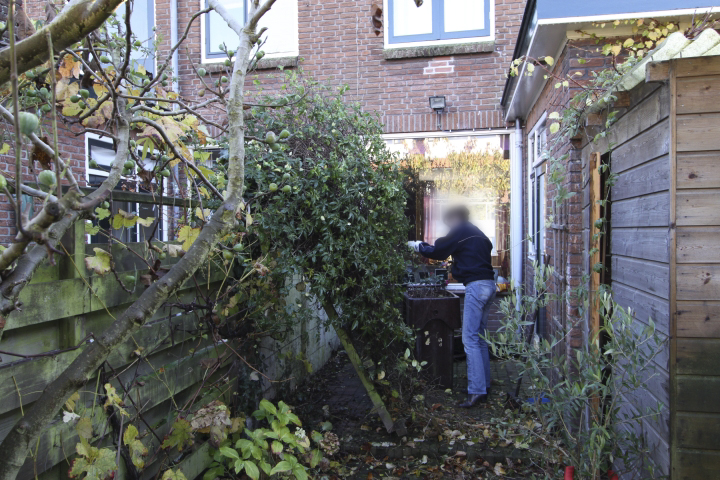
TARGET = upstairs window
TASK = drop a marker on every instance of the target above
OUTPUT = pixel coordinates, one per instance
(281, 37)
(438, 20)
(142, 23)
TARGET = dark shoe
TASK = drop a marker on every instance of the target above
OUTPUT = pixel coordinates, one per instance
(472, 400)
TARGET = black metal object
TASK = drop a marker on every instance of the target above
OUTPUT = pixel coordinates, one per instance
(434, 314)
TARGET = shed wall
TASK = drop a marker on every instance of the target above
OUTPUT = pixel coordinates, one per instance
(695, 210)
(639, 145)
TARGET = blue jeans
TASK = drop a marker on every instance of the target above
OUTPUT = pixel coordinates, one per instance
(478, 298)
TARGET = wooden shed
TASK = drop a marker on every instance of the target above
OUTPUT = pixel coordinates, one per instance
(664, 248)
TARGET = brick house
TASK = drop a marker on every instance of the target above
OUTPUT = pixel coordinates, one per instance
(392, 55)
(638, 249)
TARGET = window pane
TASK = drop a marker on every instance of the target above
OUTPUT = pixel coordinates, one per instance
(142, 21)
(219, 32)
(102, 153)
(282, 24)
(408, 19)
(464, 15)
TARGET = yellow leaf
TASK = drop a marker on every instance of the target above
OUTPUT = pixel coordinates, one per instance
(71, 109)
(616, 49)
(146, 222)
(113, 399)
(203, 215)
(188, 235)
(70, 67)
(122, 219)
(70, 403)
(628, 43)
(99, 90)
(100, 263)
(5, 148)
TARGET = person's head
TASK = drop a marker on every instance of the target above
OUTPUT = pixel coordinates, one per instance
(456, 216)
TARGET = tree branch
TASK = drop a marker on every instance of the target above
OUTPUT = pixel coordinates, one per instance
(74, 22)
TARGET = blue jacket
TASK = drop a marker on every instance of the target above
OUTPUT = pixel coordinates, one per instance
(471, 250)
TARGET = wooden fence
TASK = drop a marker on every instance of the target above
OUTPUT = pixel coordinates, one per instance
(165, 363)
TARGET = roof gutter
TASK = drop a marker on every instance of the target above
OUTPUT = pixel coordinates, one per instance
(521, 47)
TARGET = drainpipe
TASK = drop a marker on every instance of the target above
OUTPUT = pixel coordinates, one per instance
(173, 42)
(516, 211)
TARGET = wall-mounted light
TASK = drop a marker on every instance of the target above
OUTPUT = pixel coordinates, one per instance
(418, 3)
(437, 103)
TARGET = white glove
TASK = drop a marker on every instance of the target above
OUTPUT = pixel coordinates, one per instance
(415, 245)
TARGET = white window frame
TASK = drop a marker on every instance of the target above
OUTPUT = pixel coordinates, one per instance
(205, 59)
(450, 41)
(536, 187)
(102, 173)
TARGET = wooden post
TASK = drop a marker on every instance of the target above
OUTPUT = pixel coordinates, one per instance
(390, 425)
(72, 329)
(595, 214)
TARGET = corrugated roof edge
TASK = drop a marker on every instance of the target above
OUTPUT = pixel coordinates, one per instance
(675, 46)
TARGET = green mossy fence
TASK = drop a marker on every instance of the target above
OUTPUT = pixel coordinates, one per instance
(168, 364)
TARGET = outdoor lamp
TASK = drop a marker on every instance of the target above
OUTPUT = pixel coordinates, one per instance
(418, 3)
(437, 103)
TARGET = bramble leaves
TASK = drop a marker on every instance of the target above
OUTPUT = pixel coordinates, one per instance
(135, 446)
(113, 399)
(181, 435)
(95, 463)
(171, 475)
(84, 428)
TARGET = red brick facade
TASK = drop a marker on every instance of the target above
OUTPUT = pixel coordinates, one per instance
(337, 46)
(564, 242)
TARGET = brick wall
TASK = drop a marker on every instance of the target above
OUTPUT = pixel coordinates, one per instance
(564, 242)
(337, 46)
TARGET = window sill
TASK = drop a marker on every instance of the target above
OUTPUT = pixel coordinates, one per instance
(438, 50)
(264, 64)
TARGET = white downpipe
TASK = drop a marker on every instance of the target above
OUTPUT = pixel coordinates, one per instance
(516, 211)
(173, 42)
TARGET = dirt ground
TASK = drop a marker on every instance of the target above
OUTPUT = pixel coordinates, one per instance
(443, 441)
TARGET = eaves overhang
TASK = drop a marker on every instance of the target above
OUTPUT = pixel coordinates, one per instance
(548, 24)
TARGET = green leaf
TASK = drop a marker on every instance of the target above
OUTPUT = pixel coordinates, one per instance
(102, 213)
(229, 452)
(180, 436)
(91, 229)
(214, 473)
(300, 472)
(315, 458)
(276, 447)
(95, 463)
(283, 466)
(84, 428)
(252, 470)
(135, 447)
(170, 475)
(268, 406)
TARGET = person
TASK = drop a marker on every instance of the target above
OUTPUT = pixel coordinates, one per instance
(471, 251)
